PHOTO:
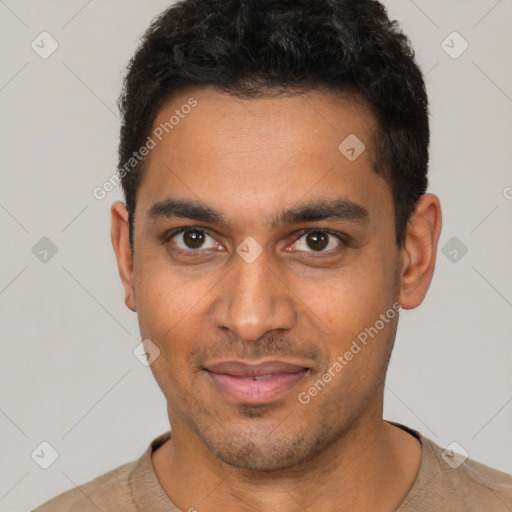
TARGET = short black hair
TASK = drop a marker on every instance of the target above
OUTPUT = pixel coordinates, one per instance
(247, 47)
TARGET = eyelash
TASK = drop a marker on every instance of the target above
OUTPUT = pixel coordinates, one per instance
(343, 239)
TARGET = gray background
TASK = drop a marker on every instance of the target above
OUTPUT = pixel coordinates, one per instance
(68, 373)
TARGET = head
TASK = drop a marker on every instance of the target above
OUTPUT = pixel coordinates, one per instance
(276, 217)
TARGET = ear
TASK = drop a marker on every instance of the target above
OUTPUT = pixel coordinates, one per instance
(121, 244)
(419, 251)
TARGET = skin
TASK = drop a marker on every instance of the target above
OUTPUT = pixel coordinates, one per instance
(250, 159)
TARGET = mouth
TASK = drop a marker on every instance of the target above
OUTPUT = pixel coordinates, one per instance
(259, 383)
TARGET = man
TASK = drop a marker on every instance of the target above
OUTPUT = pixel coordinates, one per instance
(273, 158)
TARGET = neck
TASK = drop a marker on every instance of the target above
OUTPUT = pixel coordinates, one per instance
(371, 467)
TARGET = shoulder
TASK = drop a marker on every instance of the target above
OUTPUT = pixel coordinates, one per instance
(477, 482)
(110, 491)
(128, 488)
(448, 480)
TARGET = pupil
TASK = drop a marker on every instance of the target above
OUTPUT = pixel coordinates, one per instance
(317, 241)
(194, 239)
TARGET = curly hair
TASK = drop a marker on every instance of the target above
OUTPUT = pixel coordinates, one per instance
(251, 47)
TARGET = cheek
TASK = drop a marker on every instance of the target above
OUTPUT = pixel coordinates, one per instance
(165, 299)
(354, 337)
(347, 303)
(167, 311)
(358, 341)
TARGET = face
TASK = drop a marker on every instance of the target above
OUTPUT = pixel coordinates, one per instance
(263, 255)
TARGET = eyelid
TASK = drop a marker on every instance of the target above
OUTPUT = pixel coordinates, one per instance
(169, 235)
(341, 237)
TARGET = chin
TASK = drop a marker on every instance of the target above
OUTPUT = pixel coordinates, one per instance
(264, 452)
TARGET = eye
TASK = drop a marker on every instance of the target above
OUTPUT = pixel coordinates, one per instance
(318, 240)
(192, 239)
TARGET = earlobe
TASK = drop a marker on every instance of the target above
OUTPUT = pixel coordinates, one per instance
(121, 245)
(419, 251)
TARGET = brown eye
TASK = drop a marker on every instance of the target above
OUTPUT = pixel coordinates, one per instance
(193, 238)
(317, 241)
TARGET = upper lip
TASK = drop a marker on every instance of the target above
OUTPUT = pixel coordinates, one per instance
(241, 368)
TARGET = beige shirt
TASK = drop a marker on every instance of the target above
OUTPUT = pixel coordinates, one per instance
(438, 486)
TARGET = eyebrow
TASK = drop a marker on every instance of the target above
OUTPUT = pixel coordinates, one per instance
(340, 209)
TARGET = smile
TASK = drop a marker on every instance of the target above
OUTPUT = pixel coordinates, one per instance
(255, 383)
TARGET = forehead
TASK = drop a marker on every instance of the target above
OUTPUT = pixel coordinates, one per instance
(316, 119)
(237, 154)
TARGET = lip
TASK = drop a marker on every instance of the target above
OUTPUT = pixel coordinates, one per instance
(256, 383)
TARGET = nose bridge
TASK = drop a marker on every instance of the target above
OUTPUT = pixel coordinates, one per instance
(253, 300)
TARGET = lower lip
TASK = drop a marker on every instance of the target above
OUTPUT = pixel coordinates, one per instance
(248, 390)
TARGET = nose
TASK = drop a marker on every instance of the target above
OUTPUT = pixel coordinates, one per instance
(253, 300)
